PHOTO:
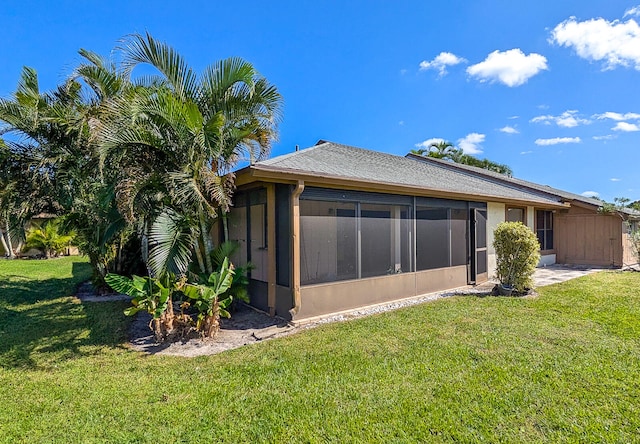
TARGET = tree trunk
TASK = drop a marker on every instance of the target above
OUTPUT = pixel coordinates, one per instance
(119, 256)
(208, 246)
(212, 321)
(163, 327)
(144, 248)
(9, 244)
(3, 242)
(196, 248)
(157, 330)
(225, 226)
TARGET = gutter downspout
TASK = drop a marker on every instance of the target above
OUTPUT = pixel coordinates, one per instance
(295, 246)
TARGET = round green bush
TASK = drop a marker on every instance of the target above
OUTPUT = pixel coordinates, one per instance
(517, 255)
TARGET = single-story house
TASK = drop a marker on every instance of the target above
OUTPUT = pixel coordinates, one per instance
(334, 227)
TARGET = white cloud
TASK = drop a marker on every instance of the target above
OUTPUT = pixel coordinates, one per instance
(617, 116)
(526, 152)
(470, 144)
(513, 117)
(509, 130)
(557, 140)
(607, 137)
(401, 123)
(632, 11)
(441, 61)
(543, 119)
(615, 179)
(626, 127)
(427, 143)
(614, 43)
(591, 194)
(543, 106)
(567, 119)
(512, 67)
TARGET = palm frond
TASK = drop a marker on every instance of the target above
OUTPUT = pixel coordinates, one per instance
(172, 238)
(138, 49)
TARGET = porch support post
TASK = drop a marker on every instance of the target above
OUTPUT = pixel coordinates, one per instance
(271, 248)
(295, 247)
(397, 243)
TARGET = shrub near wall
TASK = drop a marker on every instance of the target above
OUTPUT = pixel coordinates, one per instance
(517, 255)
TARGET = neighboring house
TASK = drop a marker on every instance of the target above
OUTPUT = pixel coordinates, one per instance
(17, 239)
(333, 227)
(18, 242)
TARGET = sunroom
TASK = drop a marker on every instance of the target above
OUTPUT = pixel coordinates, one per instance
(328, 229)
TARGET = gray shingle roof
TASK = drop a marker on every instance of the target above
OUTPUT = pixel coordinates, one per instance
(563, 195)
(328, 159)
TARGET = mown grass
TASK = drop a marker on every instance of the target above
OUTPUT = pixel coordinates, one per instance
(562, 367)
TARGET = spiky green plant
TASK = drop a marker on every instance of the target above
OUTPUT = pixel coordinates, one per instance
(49, 238)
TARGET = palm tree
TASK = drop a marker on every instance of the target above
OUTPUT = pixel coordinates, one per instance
(447, 151)
(179, 137)
(55, 163)
(439, 150)
(20, 174)
(49, 238)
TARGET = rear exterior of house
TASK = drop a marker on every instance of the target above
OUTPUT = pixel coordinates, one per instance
(333, 227)
(581, 233)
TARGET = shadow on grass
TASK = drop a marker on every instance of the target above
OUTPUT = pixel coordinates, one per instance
(41, 325)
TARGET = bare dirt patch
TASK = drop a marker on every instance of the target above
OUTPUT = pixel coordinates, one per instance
(246, 326)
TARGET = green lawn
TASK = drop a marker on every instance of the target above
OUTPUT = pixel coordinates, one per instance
(563, 367)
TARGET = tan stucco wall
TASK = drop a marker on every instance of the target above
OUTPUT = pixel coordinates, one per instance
(531, 218)
(495, 215)
(428, 281)
(322, 299)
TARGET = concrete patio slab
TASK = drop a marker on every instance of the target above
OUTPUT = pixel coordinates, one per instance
(553, 274)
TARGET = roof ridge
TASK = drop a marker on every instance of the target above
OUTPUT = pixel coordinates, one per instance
(491, 176)
(562, 194)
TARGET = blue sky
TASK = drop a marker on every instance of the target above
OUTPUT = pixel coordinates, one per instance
(547, 87)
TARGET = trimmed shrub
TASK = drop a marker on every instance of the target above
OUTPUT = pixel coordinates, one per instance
(517, 255)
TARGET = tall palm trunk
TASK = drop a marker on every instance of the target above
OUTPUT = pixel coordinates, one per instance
(3, 242)
(225, 226)
(198, 251)
(208, 245)
(144, 247)
(7, 233)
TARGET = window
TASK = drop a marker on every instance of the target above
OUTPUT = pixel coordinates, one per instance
(384, 239)
(441, 237)
(352, 240)
(544, 229)
(516, 215)
(328, 235)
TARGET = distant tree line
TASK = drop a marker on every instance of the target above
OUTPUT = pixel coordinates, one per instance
(447, 151)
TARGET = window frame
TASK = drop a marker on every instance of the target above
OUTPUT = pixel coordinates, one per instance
(545, 230)
(515, 207)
